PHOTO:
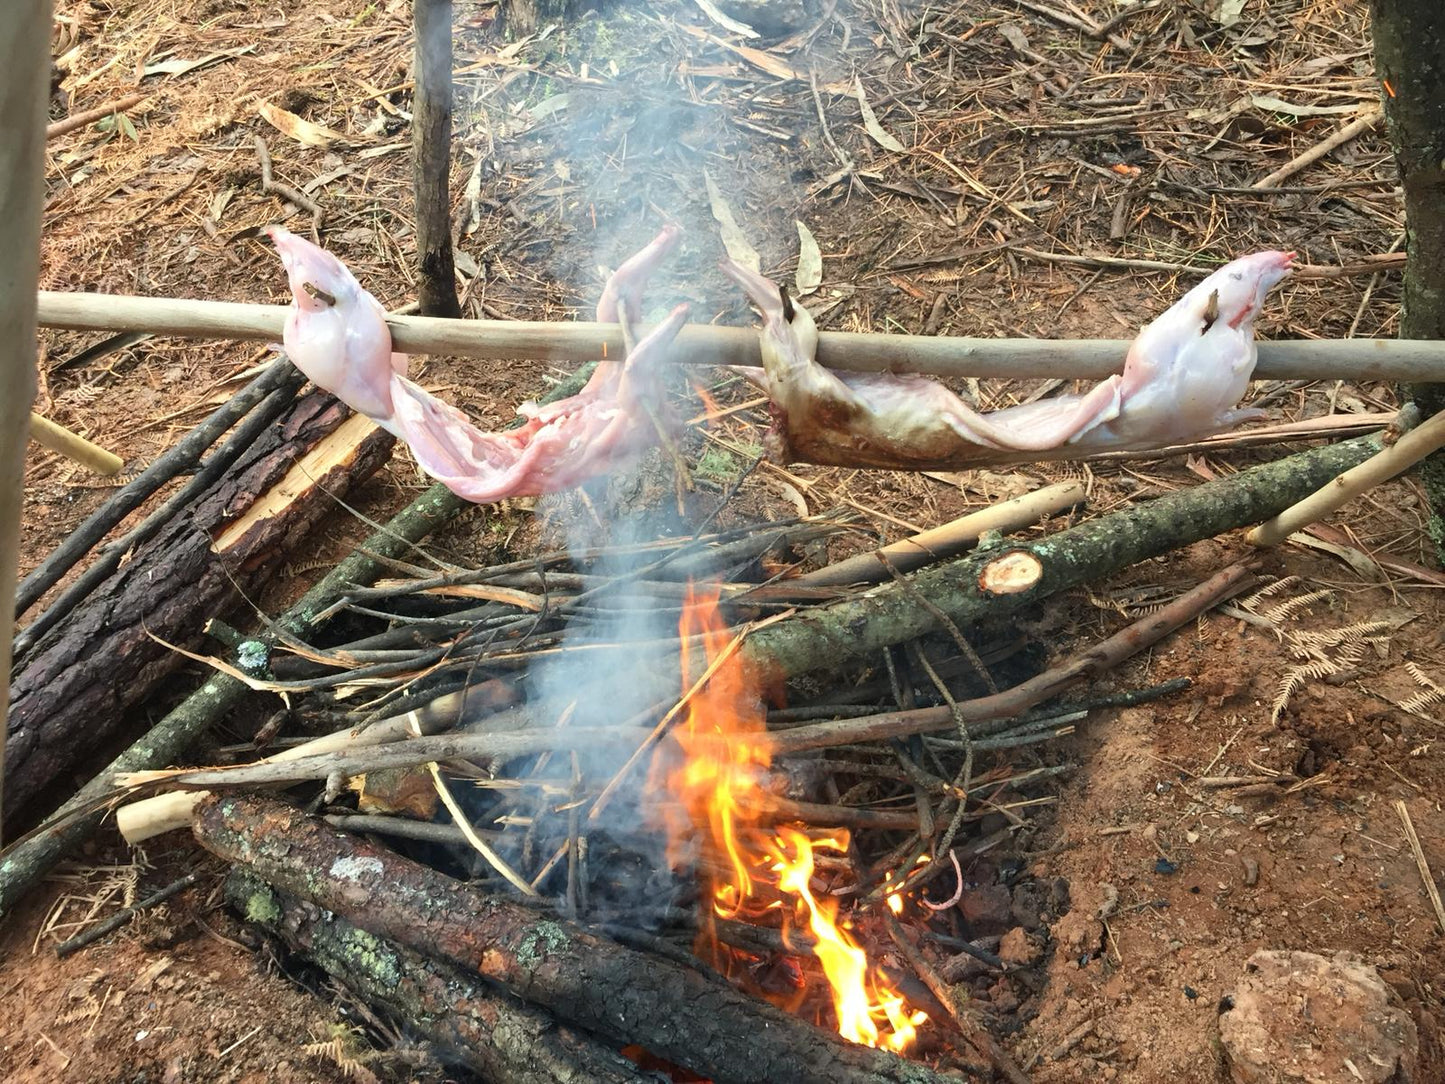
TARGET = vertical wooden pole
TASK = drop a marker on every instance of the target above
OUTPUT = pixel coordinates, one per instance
(431, 147)
(24, 75)
(1409, 37)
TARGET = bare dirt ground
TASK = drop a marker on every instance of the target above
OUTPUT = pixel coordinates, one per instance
(1023, 137)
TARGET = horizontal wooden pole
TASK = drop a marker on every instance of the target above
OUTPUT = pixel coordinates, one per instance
(1412, 361)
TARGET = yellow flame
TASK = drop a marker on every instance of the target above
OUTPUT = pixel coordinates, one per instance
(758, 871)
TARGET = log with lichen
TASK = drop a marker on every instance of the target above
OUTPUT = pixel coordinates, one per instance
(1002, 579)
(492, 1034)
(614, 992)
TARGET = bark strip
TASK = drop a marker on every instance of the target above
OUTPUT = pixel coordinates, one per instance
(612, 991)
(101, 659)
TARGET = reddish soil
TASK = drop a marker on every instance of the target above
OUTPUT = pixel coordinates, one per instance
(1173, 879)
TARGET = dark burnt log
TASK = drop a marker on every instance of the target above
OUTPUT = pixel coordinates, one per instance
(612, 991)
(102, 659)
(494, 1035)
(174, 461)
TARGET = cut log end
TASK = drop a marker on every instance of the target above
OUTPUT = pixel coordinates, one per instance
(1011, 574)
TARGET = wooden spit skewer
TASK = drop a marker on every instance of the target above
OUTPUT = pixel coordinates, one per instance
(1410, 361)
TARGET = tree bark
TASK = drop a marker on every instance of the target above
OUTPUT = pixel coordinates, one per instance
(612, 991)
(964, 589)
(102, 659)
(523, 17)
(495, 1036)
(1410, 62)
(431, 142)
(24, 78)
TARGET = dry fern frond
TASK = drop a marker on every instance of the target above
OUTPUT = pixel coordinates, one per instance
(1362, 632)
(89, 1007)
(1322, 653)
(1432, 694)
(341, 1051)
(1251, 602)
(1290, 606)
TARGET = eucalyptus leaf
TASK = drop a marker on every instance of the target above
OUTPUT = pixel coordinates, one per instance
(810, 262)
(733, 240)
(870, 122)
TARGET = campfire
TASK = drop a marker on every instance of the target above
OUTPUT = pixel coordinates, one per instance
(755, 871)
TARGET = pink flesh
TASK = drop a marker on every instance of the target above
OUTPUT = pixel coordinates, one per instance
(1182, 379)
(562, 443)
(346, 348)
(622, 297)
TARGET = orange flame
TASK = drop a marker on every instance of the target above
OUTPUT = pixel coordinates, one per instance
(755, 871)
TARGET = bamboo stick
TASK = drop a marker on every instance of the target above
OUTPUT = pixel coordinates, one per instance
(24, 71)
(948, 540)
(1416, 360)
(73, 446)
(1396, 459)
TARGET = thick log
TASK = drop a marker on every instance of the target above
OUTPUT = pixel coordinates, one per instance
(495, 1036)
(705, 344)
(612, 991)
(102, 659)
(166, 743)
(1002, 580)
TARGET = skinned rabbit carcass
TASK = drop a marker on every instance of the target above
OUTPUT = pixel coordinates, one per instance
(1183, 378)
(336, 333)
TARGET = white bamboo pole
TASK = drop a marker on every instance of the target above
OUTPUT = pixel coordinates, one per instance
(1396, 459)
(24, 77)
(1412, 361)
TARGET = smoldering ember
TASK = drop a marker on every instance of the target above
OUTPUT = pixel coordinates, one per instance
(825, 540)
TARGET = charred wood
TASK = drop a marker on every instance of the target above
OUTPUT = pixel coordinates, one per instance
(133, 494)
(103, 658)
(166, 742)
(615, 992)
